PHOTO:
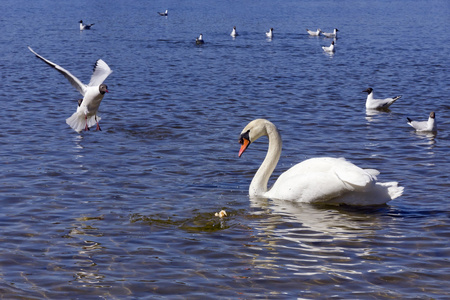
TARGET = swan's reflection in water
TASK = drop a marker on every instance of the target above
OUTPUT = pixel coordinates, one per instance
(316, 241)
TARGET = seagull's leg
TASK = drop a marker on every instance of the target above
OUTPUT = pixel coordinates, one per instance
(86, 128)
(98, 126)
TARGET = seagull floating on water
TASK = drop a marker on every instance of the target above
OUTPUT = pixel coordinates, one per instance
(314, 33)
(331, 34)
(372, 103)
(423, 126)
(86, 114)
(164, 14)
(199, 40)
(269, 33)
(234, 32)
(85, 26)
(330, 48)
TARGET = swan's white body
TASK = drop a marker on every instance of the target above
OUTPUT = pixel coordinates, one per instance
(86, 114)
(269, 33)
(317, 180)
(372, 103)
(331, 34)
(329, 49)
(234, 32)
(314, 33)
(424, 126)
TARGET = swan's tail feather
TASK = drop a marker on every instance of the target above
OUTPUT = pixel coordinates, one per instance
(379, 194)
(393, 189)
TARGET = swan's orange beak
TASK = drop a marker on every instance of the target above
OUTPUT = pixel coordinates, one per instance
(244, 145)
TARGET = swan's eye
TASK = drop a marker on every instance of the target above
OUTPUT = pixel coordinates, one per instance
(245, 136)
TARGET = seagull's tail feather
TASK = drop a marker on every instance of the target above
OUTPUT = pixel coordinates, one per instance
(409, 120)
(78, 121)
(391, 101)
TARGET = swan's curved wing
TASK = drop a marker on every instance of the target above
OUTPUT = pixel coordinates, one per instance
(101, 72)
(321, 179)
(76, 83)
(354, 177)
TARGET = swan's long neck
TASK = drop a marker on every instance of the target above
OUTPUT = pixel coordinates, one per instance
(258, 186)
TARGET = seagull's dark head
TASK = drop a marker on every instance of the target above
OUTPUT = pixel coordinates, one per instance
(432, 115)
(368, 91)
(103, 88)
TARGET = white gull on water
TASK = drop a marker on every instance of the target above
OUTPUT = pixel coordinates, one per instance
(234, 32)
(199, 40)
(329, 48)
(429, 125)
(85, 26)
(331, 34)
(372, 103)
(164, 14)
(314, 33)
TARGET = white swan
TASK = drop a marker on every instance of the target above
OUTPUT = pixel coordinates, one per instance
(424, 126)
(316, 180)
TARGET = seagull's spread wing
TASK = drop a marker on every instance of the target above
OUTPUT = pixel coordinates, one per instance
(76, 83)
(101, 72)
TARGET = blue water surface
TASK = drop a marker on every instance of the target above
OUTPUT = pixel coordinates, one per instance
(129, 212)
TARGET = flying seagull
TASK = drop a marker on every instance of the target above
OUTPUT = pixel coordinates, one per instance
(86, 114)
